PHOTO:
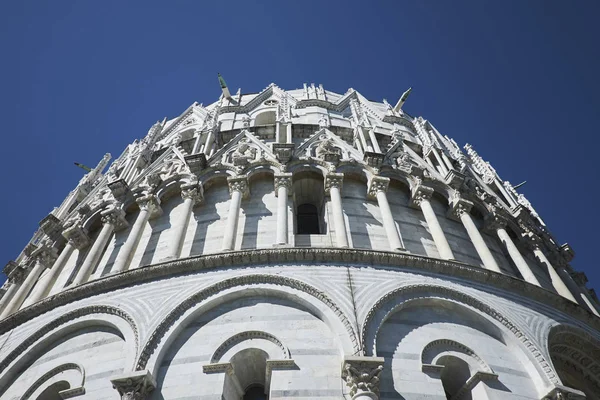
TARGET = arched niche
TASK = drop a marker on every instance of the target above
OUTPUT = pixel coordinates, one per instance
(266, 117)
(408, 318)
(575, 355)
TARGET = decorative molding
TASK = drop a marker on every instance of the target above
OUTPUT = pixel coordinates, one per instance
(192, 191)
(431, 291)
(419, 194)
(434, 348)
(248, 335)
(239, 184)
(63, 319)
(114, 216)
(150, 203)
(377, 184)
(192, 301)
(284, 180)
(333, 180)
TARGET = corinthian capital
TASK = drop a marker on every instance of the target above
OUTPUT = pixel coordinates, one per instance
(238, 184)
(192, 191)
(458, 207)
(377, 184)
(494, 221)
(135, 386)
(114, 216)
(76, 236)
(150, 203)
(44, 255)
(283, 180)
(362, 375)
(15, 272)
(419, 194)
(333, 180)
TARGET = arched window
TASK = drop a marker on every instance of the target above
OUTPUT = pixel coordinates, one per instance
(307, 219)
(255, 392)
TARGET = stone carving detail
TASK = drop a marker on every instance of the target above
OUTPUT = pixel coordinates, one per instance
(115, 216)
(483, 168)
(458, 207)
(172, 166)
(243, 154)
(494, 221)
(283, 180)
(192, 191)
(45, 255)
(14, 272)
(135, 386)
(238, 184)
(402, 161)
(362, 374)
(150, 203)
(76, 236)
(324, 122)
(333, 180)
(377, 184)
(328, 151)
(421, 193)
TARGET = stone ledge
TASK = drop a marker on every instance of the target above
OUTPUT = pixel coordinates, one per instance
(294, 255)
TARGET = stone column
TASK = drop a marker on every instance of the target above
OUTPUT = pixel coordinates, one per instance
(192, 195)
(535, 244)
(43, 257)
(440, 161)
(378, 187)
(497, 223)
(210, 138)
(134, 386)
(238, 189)
(361, 375)
(283, 188)
(149, 208)
(420, 197)
(333, 188)
(15, 274)
(113, 219)
(288, 129)
(459, 209)
(76, 239)
(374, 142)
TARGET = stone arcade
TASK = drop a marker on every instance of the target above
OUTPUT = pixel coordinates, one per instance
(296, 244)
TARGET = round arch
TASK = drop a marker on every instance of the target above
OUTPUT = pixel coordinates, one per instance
(98, 315)
(72, 374)
(308, 296)
(397, 299)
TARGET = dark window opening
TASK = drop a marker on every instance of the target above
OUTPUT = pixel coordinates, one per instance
(255, 393)
(307, 219)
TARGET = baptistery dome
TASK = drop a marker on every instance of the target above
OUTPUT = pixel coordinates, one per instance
(296, 244)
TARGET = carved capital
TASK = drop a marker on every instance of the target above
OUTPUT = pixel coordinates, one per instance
(135, 386)
(333, 180)
(362, 375)
(45, 255)
(14, 272)
(531, 240)
(377, 184)
(564, 393)
(284, 180)
(458, 207)
(120, 190)
(51, 226)
(150, 203)
(419, 194)
(76, 236)
(239, 184)
(114, 216)
(494, 221)
(192, 191)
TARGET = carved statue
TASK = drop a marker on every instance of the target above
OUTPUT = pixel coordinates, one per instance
(327, 151)
(243, 154)
(324, 122)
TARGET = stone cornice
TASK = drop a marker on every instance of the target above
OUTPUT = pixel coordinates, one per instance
(326, 256)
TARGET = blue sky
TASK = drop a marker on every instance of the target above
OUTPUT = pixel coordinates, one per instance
(517, 79)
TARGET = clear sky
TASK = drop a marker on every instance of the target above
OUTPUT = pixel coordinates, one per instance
(516, 79)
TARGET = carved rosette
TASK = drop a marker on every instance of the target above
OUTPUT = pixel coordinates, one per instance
(377, 184)
(419, 194)
(239, 184)
(192, 191)
(362, 376)
(76, 236)
(150, 203)
(458, 207)
(115, 217)
(333, 180)
(136, 386)
(284, 180)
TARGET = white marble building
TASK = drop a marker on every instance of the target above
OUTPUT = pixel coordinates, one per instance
(296, 244)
